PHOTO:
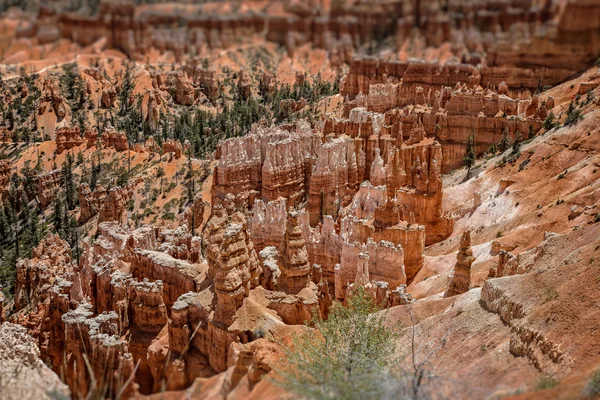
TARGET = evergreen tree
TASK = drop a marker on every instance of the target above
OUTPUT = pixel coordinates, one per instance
(469, 158)
(127, 86)
(190, 176)
(73, 88)
(31, 234)
(530, 134)
(10, 120)
(58, 216)
(4, 227)
(7, 270)
(550, 122)
(504, 141)
(517, 143)
(94, 175)
(573, 115)
(67, 171)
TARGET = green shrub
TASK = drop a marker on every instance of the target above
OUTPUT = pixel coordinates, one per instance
(546, 382)
(562, 174)
(550, 122)
(350, 359)
(573, 115)
(550, 294)
(592, 389)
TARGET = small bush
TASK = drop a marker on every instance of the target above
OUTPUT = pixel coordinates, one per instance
(352, 358)
(501, 163)
(546, 382)
(550, 294)
(589, 97)
(505, 142)
(563, 174)
(573, 115)
(524, 164)
(592, 389)
(550, 122)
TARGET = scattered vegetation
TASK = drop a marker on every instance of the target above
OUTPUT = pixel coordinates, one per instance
(550, 294)
(550, 122)
(574, 115)
(20, 230)
(352, 357)
(470, 156)
(562, 174)
(546, 382)
(592, 388)
(524, 164)
(504, 141)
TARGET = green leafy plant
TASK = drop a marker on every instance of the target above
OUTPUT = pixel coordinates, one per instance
(352, 355)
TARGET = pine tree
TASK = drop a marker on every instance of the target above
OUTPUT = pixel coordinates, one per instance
(67, 171)
(94, 176)
(504, 141)
(550, 122)
(10, 120)
(530, 134)
(58, 217)
(517, 143)
(31, 235)
(469, 158)
(127, 87)
(573, 115)
(4, 227)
